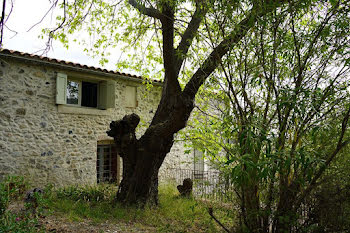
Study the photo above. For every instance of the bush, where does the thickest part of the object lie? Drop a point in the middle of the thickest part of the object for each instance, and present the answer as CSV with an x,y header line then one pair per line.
x,y
94,193
11,222
12,188
4,199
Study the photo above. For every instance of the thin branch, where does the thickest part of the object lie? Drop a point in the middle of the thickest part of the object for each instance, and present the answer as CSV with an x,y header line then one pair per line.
x,y
54,4
15,32
228,77
2,21
149,11
212,62
340,145
189,35
51,33
210,211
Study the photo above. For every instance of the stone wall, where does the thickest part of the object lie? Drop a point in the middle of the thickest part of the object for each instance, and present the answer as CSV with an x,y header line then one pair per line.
x,y
49,143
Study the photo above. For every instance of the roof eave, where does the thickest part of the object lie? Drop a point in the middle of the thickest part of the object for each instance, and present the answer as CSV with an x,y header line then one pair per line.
x,y
75,68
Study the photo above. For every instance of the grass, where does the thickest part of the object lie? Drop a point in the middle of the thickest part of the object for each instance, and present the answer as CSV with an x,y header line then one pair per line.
x,y
174,213
97,205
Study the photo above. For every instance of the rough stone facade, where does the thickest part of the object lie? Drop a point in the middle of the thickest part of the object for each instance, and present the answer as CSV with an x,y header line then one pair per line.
x,y
50,143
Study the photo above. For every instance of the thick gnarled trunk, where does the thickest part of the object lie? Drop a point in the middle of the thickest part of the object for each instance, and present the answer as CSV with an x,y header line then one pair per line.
x,y
143,157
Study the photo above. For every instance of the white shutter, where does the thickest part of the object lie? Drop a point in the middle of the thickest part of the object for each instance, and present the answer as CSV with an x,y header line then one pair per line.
x,y
102,95
61,88
130,97
110,101
106,96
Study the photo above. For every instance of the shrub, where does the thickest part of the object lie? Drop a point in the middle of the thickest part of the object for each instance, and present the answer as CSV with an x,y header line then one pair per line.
x,y
11,188
4,199
94,193
24,223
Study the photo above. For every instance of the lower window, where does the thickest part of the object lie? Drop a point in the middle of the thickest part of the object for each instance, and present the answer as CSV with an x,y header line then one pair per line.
x,y
107,164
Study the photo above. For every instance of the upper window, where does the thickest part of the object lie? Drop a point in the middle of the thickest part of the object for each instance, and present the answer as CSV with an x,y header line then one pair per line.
x,y
73,92
82,93
94,94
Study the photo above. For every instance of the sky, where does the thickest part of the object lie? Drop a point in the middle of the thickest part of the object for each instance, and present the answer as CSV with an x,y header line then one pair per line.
x,y
27,13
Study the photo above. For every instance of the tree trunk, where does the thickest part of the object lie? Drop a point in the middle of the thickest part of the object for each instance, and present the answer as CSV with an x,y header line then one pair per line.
x,y
251,210
285,216
143,157
140,175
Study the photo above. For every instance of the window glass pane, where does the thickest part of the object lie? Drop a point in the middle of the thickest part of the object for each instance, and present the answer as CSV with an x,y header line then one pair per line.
x,y
72,92
104,164
89,94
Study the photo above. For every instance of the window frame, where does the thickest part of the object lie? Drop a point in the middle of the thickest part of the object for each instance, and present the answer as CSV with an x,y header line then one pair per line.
x,y
80,83
80,92
106,91
114,163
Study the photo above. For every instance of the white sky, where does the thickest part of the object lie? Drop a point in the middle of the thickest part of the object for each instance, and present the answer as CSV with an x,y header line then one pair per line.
x,y
24,15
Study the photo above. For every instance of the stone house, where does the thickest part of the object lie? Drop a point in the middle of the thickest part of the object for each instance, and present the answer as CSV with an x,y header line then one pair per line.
x,y
54,116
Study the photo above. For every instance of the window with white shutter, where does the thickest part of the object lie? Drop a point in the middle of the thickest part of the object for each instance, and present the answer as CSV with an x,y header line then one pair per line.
x,y
85,93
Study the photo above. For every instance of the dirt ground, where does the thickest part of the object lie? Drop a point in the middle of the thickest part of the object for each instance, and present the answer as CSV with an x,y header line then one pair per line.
x,y
61,225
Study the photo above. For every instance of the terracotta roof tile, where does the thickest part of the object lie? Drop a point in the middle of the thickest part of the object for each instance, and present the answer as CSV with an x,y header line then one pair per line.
x,y
72,64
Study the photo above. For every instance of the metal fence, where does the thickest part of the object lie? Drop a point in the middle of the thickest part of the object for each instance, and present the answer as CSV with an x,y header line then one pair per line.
x,y
206,184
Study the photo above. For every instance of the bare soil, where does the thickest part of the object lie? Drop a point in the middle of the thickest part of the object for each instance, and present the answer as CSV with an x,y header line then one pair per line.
x,y
60,224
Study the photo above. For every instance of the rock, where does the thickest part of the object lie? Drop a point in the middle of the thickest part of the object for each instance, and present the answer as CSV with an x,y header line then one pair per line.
x,y
186,188
29,92
31,195
21,111
43,124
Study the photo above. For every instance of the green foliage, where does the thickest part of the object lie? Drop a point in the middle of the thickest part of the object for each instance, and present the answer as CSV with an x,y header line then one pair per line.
x,y
94,193
13,189
174,214
22,223
278,102
329,205
277,109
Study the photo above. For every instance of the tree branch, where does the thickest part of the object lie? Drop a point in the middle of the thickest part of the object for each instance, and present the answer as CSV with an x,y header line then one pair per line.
x,y
171,83
340,145
149,11
211,63
52,32
53,5
210,211
2,21
214,58
189,35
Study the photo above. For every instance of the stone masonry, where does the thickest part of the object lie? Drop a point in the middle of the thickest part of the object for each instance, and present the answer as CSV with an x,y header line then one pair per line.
x,y
50,143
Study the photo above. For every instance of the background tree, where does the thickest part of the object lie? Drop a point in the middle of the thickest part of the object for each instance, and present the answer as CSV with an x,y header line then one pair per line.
x,y
283,104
